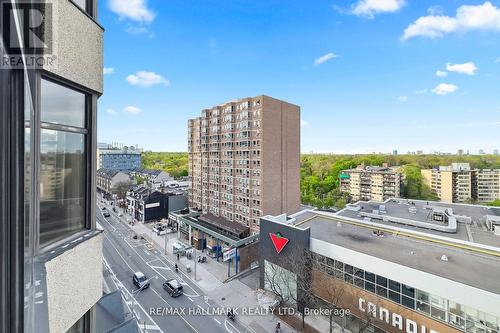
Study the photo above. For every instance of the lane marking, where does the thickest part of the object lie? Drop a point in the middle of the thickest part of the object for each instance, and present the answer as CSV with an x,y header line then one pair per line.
x,y
122,287
218,322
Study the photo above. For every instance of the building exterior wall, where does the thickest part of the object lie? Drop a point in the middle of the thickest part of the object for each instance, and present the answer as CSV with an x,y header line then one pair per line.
x,y
366,184
119,161
488,185
280,157
61,291
242,152
74,278
356,300
78,44
463,185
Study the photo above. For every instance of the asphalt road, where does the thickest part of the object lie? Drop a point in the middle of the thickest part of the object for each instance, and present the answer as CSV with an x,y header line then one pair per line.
x,y
155,310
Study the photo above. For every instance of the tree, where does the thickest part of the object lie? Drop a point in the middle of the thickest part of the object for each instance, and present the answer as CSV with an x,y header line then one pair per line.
x,y
290,281
121,189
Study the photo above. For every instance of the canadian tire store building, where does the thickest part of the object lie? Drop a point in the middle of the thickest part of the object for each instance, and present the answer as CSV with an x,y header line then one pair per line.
x,y
392,278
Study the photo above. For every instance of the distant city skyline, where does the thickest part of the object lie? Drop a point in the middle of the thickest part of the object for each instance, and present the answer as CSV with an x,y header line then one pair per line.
x,y
366,78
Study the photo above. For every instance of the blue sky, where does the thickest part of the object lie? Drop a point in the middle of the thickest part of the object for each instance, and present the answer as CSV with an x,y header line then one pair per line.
x,y
365,72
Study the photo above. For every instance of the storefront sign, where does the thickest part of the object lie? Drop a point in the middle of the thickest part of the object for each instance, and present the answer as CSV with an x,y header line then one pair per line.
x,y
151,205
279,241
394,319
229,254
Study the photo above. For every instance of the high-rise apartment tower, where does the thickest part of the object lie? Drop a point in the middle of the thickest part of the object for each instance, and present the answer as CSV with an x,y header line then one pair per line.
x,y
244,159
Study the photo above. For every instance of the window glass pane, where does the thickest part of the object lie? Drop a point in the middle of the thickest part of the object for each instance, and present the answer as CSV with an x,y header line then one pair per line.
x,y
422,296
395,297
369,277
359,282
62,185
348,278
408,291
359,273
437,313
381,291
348,269
61,105
381,281
339,265
396,286
370,286
423,307
408,302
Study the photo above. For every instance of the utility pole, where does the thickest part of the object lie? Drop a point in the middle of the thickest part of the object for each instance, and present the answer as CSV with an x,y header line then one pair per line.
x,y
165,237
194,259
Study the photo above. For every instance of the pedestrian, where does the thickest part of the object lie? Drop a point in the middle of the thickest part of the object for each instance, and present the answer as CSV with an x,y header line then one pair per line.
x,y
178,256
278,328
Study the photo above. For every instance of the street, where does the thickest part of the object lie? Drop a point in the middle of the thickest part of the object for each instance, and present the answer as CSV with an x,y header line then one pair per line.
x,y
153,307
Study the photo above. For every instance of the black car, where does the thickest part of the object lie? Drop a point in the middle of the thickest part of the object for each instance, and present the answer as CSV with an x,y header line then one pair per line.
x,y
103,208
140,280
106,214
173,287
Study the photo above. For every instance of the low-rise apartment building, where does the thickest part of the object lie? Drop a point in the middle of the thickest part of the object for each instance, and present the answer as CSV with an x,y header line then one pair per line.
x,y
154,178
371,182
488,185
111,182
459,183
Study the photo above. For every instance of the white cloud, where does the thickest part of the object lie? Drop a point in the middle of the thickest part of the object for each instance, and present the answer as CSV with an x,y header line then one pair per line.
x,y
325,58
136,30
369,8
108,70
468,68
421,92
497,60
146,79
444,88
480,17
111,112
435,10
441,73
132,109
135,10
303,123
403,98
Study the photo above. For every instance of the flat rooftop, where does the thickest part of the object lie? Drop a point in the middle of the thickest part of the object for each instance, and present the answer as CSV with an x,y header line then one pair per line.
x,y
353,232
474,231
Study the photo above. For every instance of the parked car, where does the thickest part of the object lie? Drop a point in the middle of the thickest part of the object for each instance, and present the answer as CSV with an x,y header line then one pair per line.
x,y
140,280
106,214
120,214
103,208
160,229
173,287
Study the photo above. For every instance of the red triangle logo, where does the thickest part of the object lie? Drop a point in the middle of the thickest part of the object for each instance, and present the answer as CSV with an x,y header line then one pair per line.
x,y
279,241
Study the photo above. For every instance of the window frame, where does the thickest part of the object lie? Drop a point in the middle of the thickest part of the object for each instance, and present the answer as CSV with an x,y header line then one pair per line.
x,y
89,131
